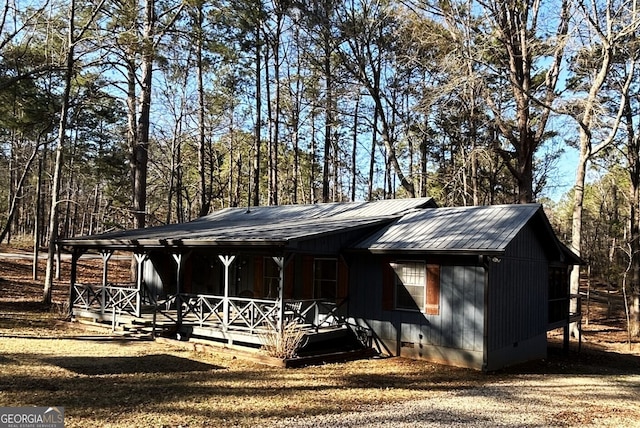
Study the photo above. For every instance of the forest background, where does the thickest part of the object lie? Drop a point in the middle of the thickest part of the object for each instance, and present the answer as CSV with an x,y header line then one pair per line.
x,y
117,114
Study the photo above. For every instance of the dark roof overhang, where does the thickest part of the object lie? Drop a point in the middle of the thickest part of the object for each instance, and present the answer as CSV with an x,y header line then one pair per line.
x,y
434,252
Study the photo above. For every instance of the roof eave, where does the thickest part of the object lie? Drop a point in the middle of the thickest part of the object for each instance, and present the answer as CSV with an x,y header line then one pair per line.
x,y
168,243
435,251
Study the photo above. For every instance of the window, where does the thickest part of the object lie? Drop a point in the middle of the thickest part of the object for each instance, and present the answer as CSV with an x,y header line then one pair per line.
x,y
271,278
325,279
410,282
415,286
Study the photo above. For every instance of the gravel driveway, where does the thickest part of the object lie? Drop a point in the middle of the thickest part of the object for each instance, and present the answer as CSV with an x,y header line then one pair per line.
x,y
528,401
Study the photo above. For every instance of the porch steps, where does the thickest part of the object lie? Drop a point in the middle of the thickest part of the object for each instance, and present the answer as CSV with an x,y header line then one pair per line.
x,y
330,340
127,327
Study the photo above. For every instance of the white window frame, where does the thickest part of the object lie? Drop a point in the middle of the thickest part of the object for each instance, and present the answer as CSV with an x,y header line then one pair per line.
x,y
419,275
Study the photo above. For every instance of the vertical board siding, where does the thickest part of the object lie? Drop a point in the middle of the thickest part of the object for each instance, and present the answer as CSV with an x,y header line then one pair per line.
x,y
457,305
459,325
473,323
518,293
444,324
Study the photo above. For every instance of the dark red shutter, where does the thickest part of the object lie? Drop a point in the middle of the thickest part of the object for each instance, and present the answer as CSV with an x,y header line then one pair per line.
x,y
343,281
307,277
288,280
258,277
388,285
433,290
187,275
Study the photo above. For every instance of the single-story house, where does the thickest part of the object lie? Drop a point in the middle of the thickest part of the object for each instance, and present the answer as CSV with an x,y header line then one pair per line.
x,y
469,286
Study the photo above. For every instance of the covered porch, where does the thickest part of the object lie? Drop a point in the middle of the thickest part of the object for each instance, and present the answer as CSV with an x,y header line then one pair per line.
x,y
179,308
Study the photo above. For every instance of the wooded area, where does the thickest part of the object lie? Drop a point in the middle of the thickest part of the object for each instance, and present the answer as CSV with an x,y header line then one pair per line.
x,y
119,114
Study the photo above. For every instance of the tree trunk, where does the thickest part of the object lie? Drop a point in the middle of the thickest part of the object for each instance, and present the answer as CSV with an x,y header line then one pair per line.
x,y
372,155
328,124
633,157
93,218
274,200
424,144
67,228
13,206
296,107
37,222
270,178
230,178
392,158
205,200
172,182
354,150
62,128
576,228
141,147
132,114
11,196
313,168
586,150
258,129
515,22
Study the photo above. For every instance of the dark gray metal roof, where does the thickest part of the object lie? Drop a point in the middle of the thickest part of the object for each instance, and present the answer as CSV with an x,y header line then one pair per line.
x,y
481,230
341,210
266,226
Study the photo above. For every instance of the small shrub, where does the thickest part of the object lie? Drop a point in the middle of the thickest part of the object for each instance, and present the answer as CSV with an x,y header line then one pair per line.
x,y
60,310
283,344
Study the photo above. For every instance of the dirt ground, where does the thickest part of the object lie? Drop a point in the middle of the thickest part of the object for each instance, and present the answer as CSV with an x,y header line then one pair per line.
x,y
106,380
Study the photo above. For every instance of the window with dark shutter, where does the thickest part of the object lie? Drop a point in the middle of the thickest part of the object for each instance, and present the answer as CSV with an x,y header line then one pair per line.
x,y
411,285
410,282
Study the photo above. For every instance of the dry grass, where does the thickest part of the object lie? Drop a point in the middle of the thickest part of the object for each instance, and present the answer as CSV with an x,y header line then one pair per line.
x,y
111,381
106,381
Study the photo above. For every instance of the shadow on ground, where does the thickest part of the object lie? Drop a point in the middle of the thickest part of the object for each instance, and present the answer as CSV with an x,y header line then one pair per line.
x,y
144,364
590,360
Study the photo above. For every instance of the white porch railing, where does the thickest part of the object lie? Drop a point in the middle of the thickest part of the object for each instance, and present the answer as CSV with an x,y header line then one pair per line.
x,y
204,310
123,298
244,314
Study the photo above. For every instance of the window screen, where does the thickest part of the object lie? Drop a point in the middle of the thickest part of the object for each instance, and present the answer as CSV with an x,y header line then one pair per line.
x,y
410,281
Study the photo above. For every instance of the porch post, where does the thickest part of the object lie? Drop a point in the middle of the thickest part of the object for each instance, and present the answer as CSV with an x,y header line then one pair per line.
x,y
140,258
178,258
280,262
75,256
226,261
58,261
106,255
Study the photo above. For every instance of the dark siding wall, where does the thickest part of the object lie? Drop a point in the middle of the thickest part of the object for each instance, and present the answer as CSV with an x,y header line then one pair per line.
x,y
458,328
517,293
461,322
